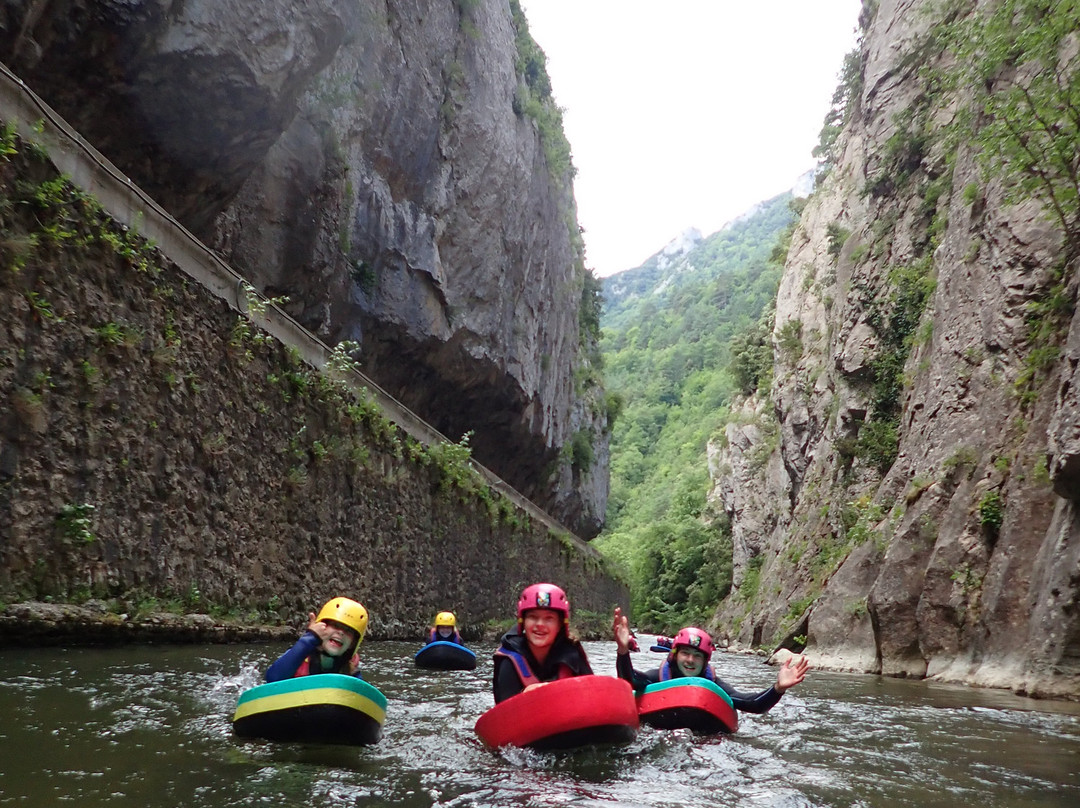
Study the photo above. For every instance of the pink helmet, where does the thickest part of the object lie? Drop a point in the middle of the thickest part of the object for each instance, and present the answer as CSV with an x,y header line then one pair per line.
x,y
543,596
694,638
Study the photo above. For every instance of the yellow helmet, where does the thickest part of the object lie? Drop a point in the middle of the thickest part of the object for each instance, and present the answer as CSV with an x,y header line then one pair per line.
x,y
347,612
445,619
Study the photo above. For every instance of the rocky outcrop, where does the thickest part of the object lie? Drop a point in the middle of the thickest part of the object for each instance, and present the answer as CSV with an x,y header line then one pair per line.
x,y
35,624
739,463
383,167
926,429
185,98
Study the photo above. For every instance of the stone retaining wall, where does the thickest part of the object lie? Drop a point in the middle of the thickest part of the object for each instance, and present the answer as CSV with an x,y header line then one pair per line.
x,y
156,444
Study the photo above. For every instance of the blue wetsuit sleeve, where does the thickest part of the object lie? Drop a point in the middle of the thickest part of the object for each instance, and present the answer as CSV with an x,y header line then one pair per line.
x,y
286,664
751,702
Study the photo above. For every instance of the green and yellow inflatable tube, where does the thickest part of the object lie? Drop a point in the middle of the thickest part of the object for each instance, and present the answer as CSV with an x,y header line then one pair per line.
x,y
324,708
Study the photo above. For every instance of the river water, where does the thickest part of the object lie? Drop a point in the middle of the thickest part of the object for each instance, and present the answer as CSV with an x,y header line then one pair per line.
x,y
149,726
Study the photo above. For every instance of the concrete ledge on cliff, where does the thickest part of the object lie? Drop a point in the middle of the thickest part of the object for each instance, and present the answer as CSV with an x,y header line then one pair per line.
x,y
37,624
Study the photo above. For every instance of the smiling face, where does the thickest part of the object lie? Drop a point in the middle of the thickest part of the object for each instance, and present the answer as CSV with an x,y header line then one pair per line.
x,y
338,639
689,661
541,627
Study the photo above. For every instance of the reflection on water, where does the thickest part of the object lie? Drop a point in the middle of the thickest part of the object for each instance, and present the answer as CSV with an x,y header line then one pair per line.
x,y
149,726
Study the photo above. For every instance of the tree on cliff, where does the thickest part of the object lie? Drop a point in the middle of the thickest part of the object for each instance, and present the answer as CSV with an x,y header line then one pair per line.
x,y
1021,59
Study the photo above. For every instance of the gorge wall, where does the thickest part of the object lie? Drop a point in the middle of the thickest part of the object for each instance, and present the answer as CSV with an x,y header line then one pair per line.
x,y
395,169
904,498
157,445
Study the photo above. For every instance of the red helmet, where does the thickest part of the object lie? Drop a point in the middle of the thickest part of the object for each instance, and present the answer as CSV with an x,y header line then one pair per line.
x,y
543,596
694,638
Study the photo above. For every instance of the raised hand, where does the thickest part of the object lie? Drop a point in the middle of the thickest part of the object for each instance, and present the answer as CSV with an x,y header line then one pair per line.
x,y
620,628
792,672
317,627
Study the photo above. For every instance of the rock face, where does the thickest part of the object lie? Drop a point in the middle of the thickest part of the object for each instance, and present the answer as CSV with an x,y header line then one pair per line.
x,y
739,464
375,164
947,548
185,98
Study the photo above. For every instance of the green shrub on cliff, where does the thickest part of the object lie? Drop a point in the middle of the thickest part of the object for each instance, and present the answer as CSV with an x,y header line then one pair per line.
x,y
75,523
991,511
534,99
1019,60
752,355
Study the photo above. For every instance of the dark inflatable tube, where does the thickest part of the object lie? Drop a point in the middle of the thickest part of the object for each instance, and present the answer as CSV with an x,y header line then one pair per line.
x,y
692,702
563,714
445,656
661,645
324,708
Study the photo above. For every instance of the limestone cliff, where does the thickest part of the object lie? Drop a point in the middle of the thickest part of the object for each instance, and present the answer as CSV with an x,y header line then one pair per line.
x,y
916,512
390,167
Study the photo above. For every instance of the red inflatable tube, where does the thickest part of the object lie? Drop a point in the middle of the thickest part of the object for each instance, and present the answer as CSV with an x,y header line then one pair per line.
x,y
693,703
563,714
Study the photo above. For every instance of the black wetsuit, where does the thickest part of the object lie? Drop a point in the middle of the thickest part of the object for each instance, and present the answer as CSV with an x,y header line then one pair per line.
x,y
564,651
747,702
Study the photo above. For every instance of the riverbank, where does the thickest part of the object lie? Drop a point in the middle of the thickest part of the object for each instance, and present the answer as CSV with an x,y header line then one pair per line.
x,y
96,622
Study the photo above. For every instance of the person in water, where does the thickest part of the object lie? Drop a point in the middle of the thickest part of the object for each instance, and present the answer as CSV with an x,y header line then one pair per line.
x,y
445,629
328,645
541,649
691,650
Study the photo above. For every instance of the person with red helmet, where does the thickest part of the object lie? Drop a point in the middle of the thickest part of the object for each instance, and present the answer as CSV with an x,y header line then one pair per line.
x,y
541,649
691,650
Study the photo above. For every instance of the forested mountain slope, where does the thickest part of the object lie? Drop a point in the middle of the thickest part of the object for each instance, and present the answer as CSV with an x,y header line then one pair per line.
x,y
689,263
668,331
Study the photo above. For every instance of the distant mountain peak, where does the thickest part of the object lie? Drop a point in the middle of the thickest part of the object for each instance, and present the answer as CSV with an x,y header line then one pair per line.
x,y
675,250
682,243
743,217
691,258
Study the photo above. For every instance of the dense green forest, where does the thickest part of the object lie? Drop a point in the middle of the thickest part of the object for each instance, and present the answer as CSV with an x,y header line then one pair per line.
x,y
681,336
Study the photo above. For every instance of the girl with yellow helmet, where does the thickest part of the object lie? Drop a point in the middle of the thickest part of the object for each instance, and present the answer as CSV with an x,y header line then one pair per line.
x,y
328,645
444,629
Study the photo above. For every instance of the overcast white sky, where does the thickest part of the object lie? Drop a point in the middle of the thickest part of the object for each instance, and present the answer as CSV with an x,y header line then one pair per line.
x,y
685,113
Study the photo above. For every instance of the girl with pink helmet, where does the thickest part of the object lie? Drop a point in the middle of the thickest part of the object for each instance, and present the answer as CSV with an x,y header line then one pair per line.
x,y
691,650
541,649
